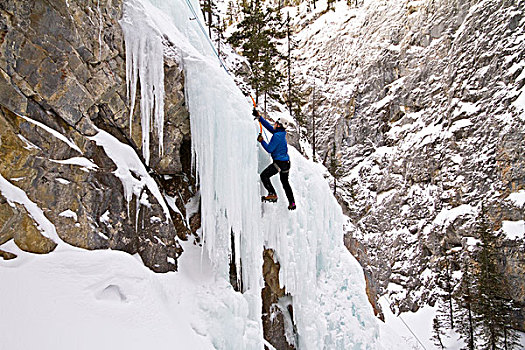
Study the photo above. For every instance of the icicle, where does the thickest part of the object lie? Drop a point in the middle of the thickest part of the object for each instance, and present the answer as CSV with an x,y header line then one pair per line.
x,y
144,63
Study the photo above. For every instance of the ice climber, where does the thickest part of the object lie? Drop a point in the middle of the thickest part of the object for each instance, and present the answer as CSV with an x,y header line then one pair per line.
x,y
278,149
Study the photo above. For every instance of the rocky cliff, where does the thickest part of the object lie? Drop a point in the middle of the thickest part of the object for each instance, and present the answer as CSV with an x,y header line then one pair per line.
x,y
424,102
68,141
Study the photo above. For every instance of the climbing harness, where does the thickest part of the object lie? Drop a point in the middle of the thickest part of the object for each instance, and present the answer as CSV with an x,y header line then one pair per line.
x,y
280,170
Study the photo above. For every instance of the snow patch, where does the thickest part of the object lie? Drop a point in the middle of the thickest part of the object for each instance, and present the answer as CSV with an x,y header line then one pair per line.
x,y
514,229
53,132
130,170
62,181
14,195
69,214
84,163
29,145
518,198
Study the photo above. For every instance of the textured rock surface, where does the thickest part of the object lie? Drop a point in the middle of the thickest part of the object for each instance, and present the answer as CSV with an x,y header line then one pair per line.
x,y
63,65
420,100
277,312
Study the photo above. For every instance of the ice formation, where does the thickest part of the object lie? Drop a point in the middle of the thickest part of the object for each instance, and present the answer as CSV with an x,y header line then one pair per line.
x,y
325,282
143,49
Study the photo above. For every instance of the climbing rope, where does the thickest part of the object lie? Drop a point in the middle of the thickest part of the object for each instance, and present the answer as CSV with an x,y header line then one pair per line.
x,y
190,6
406,325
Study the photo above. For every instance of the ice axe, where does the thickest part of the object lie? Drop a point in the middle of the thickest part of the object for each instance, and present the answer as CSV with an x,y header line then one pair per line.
x,y
254,107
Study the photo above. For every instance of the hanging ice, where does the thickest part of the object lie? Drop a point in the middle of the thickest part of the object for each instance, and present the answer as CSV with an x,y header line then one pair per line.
x,y
144,64
326,284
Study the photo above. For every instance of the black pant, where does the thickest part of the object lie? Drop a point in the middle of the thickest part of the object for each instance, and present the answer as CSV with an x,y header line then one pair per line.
x,y
282,167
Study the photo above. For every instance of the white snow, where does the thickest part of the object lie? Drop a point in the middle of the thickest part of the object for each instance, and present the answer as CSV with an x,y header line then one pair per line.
x,y
130,170
29,145
63,295
519,103
415,328
62,181
69,214
449,215
518,198
16,179
105,218
514,229
460,124
53,132
15,195
83,162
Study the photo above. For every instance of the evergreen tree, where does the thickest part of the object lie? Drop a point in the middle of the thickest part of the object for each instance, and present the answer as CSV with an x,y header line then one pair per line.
x,y
230,13
256,35
466,321
335,167
445,316
437,333
294,98
208,8
492,304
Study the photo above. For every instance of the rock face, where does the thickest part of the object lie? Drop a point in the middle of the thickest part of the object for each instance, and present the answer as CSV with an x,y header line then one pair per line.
x,y
422,100
62,86
277,313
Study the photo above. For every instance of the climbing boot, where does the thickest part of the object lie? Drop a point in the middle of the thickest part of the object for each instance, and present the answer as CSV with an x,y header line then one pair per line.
x,y
292,206
271,197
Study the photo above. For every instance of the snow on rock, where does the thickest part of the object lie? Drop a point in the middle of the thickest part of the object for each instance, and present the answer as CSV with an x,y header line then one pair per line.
x,y
14,195
130,170
52,132
84,163
69,214
514,229
518,198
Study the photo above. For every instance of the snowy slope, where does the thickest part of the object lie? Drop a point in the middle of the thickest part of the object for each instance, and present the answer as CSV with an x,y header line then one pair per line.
x,y
79,299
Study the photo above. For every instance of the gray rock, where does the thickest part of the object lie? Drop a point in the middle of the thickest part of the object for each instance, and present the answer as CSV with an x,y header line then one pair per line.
x,y
63,65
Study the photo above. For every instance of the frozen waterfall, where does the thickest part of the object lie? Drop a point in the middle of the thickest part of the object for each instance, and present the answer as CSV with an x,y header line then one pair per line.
x,y
331,310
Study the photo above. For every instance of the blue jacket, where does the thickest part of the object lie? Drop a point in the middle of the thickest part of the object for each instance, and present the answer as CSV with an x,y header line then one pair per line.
x,y
278,147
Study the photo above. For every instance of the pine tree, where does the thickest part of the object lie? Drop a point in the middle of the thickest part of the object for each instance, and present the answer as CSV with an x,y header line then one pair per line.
x,y
230,13
256,35
466,321
294,98
445,316
492,304
437,333
335,167
208,7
